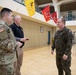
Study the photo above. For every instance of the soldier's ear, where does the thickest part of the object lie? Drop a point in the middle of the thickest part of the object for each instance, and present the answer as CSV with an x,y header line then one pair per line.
x,y
5,15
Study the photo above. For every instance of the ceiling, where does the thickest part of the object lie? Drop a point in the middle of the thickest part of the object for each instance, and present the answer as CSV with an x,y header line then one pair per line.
x,y
44,1
66,5
39,2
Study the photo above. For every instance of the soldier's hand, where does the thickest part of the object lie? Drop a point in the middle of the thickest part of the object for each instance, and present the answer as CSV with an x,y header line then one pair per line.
x,y
65,57
52,52
19,44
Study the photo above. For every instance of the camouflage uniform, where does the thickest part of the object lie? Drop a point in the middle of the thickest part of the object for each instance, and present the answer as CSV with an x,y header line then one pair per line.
x,y
7,50
63,44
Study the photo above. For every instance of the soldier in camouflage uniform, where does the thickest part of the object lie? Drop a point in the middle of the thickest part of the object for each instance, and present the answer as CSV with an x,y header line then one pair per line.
x,y
63,44
7,44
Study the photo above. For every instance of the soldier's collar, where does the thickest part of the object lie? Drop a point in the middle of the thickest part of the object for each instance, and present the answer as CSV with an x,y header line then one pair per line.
x,y
62,29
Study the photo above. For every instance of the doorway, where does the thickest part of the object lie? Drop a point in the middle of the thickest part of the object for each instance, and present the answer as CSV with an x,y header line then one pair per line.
x,y
48,37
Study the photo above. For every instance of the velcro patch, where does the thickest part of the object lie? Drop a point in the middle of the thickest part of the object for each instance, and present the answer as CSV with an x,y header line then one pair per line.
x,y
1,29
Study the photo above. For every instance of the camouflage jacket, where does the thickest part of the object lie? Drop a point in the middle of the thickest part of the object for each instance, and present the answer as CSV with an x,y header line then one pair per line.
x,y
63,41
7,44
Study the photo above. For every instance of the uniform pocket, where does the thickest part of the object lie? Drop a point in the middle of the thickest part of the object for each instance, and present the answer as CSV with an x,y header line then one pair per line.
x,y
7,45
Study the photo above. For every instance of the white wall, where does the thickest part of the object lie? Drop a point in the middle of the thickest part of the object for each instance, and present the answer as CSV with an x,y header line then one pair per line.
x,y
22,10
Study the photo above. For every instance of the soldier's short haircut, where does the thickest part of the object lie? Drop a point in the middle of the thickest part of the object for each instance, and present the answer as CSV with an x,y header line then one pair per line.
x,y
63,20
4,11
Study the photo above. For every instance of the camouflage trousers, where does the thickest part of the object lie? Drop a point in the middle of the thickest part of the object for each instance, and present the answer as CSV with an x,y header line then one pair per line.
x,y
7,69
63,65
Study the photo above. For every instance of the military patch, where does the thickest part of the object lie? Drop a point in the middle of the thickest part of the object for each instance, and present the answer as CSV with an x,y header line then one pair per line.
x,y
3,32
1,29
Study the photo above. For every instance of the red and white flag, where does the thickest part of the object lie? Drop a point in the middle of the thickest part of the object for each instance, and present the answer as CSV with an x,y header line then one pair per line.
x,y
46,13
54,17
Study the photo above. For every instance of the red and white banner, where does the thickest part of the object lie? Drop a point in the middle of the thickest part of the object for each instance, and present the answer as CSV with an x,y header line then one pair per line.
x,y
46,13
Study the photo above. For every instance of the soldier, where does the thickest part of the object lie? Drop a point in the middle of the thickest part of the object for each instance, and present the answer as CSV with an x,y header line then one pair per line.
x,y
63,44
7,43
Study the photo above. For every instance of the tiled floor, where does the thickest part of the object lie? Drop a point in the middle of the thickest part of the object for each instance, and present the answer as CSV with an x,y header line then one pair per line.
x,y
39,61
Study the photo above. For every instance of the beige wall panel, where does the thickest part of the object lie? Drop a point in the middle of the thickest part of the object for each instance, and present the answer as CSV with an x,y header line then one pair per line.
x,y
32,31
73,28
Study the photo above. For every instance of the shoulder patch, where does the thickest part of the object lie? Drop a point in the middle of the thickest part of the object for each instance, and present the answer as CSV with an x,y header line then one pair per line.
x,y
2,28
